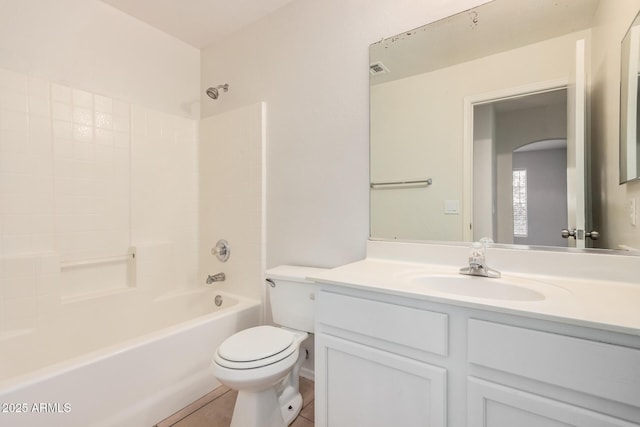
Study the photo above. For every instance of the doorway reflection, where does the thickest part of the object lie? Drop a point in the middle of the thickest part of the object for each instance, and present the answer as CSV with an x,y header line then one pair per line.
x,y
520,169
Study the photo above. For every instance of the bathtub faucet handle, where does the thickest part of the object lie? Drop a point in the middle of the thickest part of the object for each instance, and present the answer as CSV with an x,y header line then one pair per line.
x,y
221,250
215,278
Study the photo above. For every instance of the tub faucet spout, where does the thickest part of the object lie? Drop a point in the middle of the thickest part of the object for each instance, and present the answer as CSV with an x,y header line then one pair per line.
x,y
215,278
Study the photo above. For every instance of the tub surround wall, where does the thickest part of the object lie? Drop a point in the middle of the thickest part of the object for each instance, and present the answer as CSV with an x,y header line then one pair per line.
x,y
164,195
97,155
85,176
232,181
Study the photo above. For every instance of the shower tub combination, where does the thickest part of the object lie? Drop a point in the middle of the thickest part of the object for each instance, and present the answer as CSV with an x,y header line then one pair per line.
x,y
115,362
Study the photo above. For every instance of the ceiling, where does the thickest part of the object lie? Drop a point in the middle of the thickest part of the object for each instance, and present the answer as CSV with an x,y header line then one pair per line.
x,y
199,23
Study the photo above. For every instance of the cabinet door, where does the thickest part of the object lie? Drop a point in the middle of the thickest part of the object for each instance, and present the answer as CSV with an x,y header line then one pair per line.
x,y
493,405
361,386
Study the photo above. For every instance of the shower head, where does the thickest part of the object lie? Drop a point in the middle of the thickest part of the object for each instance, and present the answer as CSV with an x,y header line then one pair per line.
x,y
213,93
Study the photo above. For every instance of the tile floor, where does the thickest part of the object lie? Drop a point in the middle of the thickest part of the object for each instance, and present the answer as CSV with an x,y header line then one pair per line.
x,y
215,409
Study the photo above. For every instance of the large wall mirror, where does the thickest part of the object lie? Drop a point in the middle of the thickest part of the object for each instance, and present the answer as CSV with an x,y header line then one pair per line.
x,y
479,126
629,111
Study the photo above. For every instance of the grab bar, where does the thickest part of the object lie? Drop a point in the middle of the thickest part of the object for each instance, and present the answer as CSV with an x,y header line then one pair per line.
x,y
427,182
95,261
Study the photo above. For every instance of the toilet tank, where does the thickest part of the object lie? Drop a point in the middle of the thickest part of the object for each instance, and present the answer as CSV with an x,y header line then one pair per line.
x,y
292,296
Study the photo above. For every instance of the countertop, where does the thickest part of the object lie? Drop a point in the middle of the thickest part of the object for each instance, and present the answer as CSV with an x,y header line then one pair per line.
x,y
608,305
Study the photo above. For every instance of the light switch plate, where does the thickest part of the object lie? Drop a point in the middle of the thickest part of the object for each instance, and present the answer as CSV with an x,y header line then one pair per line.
x,y
452,207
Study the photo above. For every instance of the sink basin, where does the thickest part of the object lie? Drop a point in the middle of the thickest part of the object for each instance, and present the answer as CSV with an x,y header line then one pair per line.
x,y
479,287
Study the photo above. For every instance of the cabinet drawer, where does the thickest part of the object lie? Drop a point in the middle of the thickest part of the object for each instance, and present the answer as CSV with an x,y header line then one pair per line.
x,y
411,327
493,405
603,370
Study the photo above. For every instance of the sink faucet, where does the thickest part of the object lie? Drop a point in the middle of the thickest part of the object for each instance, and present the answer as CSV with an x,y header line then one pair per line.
x,y
477,261
215,278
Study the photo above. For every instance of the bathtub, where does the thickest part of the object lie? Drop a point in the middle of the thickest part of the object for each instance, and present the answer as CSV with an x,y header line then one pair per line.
x,y
91,366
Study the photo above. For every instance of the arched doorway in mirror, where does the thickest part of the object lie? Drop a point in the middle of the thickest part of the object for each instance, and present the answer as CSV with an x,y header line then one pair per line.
x,y
520,169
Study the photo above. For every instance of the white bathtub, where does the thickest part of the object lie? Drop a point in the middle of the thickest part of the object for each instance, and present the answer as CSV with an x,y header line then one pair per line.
x,y
128,367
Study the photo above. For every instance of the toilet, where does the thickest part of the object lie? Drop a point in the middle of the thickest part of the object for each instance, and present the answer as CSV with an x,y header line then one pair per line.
x,y
263,363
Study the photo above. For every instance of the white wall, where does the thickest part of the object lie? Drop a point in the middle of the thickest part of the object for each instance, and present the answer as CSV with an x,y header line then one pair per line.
x,y
90,45
610,200
309,62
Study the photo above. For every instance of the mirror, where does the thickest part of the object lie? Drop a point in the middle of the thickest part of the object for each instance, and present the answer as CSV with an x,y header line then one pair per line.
x,y
629,75
462,106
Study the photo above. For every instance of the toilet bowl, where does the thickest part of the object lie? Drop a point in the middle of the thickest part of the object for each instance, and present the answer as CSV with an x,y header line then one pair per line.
x,y
263,363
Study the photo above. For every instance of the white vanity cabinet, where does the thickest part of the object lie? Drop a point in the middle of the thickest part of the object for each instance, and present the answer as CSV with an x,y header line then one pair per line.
x,y
384,360
368,387
369,370
494,405
586,372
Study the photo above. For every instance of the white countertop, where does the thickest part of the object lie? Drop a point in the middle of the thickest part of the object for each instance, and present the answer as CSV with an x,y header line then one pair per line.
x,y
595,303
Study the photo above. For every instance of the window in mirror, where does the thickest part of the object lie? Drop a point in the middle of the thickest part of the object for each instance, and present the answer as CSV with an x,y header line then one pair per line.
x,y
544,192
520,223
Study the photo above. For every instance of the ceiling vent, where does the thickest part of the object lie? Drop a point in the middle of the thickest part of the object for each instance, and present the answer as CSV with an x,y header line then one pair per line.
x,y
378,68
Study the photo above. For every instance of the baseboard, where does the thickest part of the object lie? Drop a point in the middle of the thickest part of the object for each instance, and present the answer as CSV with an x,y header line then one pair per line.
x,y
307,373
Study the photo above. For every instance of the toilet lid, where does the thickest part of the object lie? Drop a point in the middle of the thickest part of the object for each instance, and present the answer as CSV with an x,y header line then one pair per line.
x,y
255,344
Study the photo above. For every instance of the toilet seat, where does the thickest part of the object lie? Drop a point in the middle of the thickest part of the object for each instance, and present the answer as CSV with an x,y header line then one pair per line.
x,y
256,347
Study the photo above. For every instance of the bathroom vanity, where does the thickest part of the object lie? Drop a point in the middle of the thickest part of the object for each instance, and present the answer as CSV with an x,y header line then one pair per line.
x,y
402,339
407,343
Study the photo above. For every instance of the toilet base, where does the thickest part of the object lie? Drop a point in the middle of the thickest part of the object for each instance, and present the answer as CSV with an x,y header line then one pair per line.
x,y
290,407
257,409
289,391
276,406
263,409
